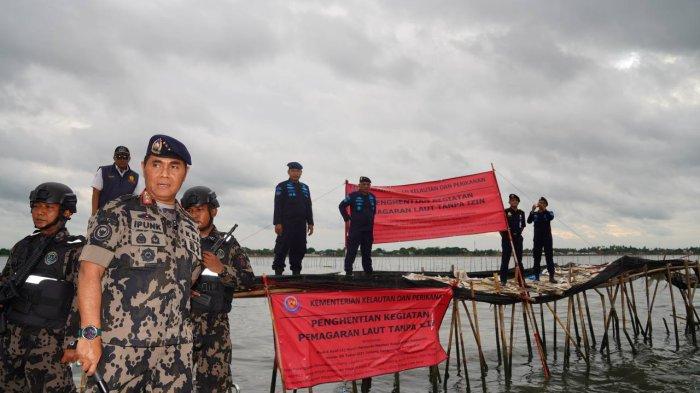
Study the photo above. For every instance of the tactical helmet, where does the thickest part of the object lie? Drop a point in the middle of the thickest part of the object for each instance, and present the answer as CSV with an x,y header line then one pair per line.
x,y
199,195
54,193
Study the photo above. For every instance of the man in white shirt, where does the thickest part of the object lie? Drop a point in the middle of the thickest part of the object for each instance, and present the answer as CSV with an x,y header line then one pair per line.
x,y
112,181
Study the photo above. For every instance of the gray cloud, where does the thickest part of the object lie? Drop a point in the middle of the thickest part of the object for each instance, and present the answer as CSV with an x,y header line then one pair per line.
x,y
593,104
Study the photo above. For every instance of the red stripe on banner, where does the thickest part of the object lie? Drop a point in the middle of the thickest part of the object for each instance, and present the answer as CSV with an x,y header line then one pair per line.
x,y
343,336
463,205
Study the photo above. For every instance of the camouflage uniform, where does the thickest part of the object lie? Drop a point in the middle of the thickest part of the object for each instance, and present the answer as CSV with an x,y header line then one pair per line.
x,y
212,334
151,257
32,346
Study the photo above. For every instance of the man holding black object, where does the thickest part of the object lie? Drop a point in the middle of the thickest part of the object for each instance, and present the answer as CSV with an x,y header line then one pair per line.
x,y
227,268
541,217
38,313
516,223
363,207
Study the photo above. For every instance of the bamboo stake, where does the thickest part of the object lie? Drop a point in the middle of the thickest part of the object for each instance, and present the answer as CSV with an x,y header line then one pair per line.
x,y
608,317
464,349
673,305
622,307
637,325
691,309
583,325
482,359
554,328
544,334
397,384
567,333
590,322
474,324
459,361
498,339
527,334
567,348
510,341
651,307
449,344
504,343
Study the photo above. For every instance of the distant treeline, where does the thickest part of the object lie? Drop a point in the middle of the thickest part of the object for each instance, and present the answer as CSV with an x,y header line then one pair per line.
x,y
458,251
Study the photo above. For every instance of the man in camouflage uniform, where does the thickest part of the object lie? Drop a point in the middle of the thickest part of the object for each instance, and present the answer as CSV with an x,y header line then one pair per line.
x,y
141,258
37,290
227,268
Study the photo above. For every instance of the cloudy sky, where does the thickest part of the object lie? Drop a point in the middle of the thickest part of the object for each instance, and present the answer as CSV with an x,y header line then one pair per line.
x,y
595,104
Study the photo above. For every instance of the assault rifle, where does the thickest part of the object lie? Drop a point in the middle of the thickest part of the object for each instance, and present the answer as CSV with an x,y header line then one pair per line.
x,y
203,299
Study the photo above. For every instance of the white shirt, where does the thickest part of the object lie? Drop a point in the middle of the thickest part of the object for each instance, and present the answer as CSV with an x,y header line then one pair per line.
x,y
97,181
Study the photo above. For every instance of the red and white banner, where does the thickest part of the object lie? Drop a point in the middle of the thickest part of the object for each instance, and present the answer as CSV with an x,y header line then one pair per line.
x,y
344,336
459,206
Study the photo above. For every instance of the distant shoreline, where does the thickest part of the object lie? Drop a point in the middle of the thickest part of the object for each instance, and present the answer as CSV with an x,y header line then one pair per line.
x,y
463,252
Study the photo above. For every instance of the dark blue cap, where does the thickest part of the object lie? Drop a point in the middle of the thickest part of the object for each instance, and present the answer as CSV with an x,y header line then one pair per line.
x,y
167,146
365,179
294,165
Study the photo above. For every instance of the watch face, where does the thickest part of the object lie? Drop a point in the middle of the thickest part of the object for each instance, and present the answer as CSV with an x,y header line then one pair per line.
x,y
90,332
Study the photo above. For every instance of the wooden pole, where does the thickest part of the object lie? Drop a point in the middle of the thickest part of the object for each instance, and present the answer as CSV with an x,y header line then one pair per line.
x,y
504,343
474,324
510,341
583,325
544,333
449,344
527,334
554,329
673,305
498,338
567,333
464,349
590,322
689,305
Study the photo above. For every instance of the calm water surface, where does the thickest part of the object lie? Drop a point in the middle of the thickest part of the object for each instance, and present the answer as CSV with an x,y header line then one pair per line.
x,y
656,368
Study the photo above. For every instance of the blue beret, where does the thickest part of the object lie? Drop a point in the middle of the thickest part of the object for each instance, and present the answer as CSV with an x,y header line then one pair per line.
x,y
167,146
295,165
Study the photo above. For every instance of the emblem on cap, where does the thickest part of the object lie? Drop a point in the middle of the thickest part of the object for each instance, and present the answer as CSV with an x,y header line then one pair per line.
x,y
51,258
157,146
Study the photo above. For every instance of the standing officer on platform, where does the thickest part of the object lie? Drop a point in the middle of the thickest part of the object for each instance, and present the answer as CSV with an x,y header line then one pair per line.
x,y
363,207
37,290
113,180
543,238
226,270
142,256
293,219
516,223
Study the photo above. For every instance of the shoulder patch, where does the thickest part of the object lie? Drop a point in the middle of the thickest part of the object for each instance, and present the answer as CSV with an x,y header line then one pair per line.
x,y
102,232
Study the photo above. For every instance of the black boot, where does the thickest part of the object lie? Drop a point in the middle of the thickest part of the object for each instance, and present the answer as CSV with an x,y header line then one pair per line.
x,y
296,272
279,271
552,279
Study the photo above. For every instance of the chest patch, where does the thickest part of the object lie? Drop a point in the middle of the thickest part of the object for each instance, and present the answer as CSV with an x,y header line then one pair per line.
x,y
51,258
220,254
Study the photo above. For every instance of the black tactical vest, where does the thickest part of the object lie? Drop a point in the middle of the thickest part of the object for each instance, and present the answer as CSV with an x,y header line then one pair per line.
x,y
46,303
221,295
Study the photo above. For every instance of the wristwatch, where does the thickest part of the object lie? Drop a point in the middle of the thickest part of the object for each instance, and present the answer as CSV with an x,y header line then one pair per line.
x,y
89,332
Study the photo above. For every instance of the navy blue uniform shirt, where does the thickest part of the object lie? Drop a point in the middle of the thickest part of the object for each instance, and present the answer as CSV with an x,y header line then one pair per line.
x,y
516,222
363,207
292,203
543,228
